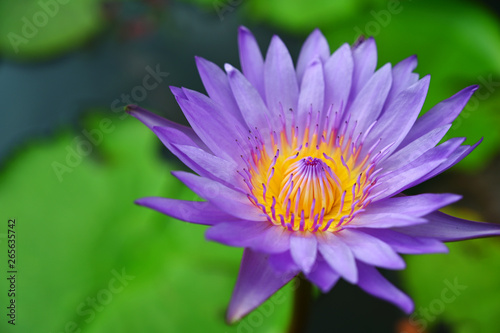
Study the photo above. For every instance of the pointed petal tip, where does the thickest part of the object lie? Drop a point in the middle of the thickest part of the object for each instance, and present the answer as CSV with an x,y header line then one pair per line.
x,y
140,201
134,110
200,61
230,70
244,30
233,316
473,88
316,33
130,108
408,307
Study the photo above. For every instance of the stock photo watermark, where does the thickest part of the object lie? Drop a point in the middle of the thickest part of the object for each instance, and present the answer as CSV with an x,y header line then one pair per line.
x,y
32,24
94,304
223,7
423,316
487,87
83,145
381,19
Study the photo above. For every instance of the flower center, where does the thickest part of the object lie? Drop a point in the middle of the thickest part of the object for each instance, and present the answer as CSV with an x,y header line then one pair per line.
x,y
310,181
310,184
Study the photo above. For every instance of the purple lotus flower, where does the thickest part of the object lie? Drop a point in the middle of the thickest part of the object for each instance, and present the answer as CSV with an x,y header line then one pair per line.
x,y
304,166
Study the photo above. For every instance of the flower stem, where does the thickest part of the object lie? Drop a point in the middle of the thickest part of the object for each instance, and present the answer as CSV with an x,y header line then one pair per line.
x,y
301,305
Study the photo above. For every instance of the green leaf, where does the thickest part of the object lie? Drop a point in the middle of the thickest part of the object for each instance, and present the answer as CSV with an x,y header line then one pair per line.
x,y
43,28
460,288
78,230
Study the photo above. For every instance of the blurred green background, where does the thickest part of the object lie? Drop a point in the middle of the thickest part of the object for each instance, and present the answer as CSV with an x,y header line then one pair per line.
x,y
71,163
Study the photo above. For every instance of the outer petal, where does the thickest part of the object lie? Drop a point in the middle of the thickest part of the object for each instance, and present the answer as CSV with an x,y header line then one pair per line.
x,y
178,133
383,220
339,256
371,250
280,79
253,109
314,47
199,212
206,121
405,178
393,125
414,149
283,263
367,105
452,159
442,114
416,205
323,276
312,93
417,171
259,236
226,199
449,228
365,62
257,281
371,281
402,77
217,86
403,243
252,63
304,248
213,167
338,71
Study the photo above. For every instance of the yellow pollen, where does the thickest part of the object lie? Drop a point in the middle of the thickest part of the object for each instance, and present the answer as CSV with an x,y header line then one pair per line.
x,y
315,185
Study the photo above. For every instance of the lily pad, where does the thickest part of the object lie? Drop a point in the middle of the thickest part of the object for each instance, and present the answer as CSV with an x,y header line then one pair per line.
x,y
89,260
42,28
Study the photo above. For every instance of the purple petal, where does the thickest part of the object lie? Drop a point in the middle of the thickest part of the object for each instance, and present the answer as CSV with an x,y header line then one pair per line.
x,y
365,62
370,249
256,283
206,121
371,281
416,205
442,114
417,171
283,263
383,220
259,236
393,125
280,79
323,276
252,63
312,93
228,200
414,150
315,47
178,133
402,77
199,212
405,178
368,104
407,244
304,248
213,167
448,228
217,86
339,256
338,77
252,107
452,159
